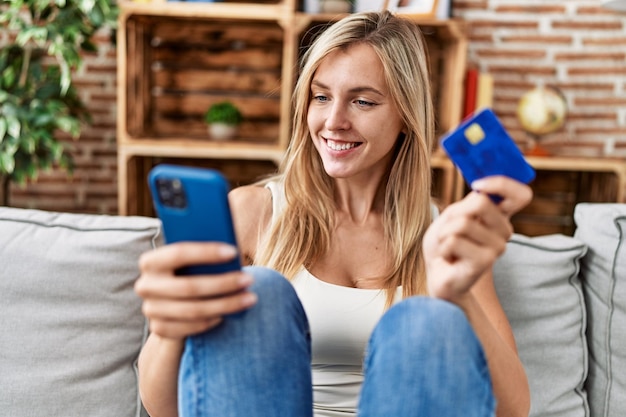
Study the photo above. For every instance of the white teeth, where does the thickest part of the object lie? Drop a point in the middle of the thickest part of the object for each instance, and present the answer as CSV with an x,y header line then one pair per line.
x,y
340,146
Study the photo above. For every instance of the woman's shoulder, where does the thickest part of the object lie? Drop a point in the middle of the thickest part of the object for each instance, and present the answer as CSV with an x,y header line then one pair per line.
x,y
251,208
247,195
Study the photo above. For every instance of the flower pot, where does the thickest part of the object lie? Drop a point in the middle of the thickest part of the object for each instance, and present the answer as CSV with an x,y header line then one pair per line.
x,y
222,131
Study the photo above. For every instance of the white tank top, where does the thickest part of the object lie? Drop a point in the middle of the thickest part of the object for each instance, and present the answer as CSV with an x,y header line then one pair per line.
x,y
341,320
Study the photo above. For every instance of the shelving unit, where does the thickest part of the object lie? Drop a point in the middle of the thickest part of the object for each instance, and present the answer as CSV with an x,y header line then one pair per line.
x,y
176,59
560,184
563,182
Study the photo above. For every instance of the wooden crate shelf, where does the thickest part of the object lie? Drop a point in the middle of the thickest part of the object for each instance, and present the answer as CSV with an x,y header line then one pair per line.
x,y
563,182
182,66
560,184
176,59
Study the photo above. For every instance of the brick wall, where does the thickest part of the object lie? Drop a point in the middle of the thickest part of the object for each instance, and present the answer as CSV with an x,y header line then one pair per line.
x,y
93,186
575,45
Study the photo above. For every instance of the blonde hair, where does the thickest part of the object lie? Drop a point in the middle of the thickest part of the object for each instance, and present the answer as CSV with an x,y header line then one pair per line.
x,y
303,231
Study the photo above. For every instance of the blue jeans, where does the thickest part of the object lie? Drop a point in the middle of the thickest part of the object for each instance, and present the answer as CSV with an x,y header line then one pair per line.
x,y
423,359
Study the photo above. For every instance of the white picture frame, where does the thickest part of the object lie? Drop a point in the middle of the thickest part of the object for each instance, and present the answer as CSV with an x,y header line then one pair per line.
x,y
425,8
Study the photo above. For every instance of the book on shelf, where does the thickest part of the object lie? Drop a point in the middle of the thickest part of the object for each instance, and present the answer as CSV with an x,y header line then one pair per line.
x,y
478,91
471,83
484,91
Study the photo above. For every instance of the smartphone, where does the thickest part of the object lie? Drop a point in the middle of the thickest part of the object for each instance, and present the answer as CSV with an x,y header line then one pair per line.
x,y
192,204
481,146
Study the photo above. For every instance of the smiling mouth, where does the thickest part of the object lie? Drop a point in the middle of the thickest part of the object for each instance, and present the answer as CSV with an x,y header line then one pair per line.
x,y
341,146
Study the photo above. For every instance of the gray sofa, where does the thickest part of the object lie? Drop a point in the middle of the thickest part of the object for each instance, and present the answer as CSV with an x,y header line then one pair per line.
x,y
71,326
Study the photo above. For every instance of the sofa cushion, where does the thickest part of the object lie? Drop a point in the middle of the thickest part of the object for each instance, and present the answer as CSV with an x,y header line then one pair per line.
x,y
603,228
71,326
537,282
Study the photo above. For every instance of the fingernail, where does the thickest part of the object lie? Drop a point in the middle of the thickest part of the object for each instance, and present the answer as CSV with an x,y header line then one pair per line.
x,y
249,299
227,251
245,280
476,184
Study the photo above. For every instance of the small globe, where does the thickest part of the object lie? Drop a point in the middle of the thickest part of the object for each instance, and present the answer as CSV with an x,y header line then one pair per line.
x,y
542,110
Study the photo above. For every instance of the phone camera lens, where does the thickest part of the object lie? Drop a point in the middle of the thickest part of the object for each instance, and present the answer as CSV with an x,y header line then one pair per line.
x,y
171,192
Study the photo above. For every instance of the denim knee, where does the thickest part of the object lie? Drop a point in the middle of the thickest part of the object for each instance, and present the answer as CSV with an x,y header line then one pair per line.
x,y
271,285
428,347
426,327
253,362
278,307
438,320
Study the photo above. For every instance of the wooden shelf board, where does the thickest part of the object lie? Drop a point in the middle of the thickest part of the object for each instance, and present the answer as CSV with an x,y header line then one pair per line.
x,y
561,163
204,10
202,149
579,164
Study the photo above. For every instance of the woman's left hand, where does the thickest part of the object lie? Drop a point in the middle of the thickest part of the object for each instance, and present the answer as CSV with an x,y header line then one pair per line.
x,y
464,242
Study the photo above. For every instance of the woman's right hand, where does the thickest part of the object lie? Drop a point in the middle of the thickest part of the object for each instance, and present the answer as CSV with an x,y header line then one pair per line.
x,y
179,306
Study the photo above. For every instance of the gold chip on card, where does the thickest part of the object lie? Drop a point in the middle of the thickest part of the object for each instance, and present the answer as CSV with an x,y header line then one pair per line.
x,y
474,133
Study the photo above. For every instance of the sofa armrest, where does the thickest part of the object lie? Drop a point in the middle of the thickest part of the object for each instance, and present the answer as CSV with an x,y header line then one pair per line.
x,y
71,326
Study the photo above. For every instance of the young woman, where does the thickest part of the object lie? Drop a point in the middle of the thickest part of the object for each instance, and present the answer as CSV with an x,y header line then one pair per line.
x,y
387,309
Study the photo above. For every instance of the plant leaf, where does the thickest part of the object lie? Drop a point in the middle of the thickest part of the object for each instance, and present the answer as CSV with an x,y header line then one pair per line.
x,y
68,124
37,34
8,77
14,127
7,163
3,128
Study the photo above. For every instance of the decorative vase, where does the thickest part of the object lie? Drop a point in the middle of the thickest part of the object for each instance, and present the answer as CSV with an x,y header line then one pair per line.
x,y
222,131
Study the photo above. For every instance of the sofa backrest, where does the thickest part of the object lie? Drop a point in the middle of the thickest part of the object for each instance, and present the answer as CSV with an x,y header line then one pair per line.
x,y
537,281
71,326
566,300
603,270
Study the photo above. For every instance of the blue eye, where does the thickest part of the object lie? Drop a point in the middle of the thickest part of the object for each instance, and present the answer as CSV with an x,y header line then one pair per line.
x,y
364,103
320,98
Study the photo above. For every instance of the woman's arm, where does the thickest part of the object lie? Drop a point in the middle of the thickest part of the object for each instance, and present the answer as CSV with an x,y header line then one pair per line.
x,y
460,248
158,384
494,331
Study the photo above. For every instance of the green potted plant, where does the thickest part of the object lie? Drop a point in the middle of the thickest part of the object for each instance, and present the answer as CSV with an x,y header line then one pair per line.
x,y
38,103
223,119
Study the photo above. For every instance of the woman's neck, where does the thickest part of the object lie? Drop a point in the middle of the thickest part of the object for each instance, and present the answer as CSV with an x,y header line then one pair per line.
x,y
358,199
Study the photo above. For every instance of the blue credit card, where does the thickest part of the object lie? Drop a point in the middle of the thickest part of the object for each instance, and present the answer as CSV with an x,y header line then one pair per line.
x,y
481,147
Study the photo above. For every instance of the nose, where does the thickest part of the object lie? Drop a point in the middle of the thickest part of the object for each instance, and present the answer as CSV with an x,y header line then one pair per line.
x,y
337,117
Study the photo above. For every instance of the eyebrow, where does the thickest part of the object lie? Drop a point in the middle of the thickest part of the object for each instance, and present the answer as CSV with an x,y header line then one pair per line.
x,y
352,90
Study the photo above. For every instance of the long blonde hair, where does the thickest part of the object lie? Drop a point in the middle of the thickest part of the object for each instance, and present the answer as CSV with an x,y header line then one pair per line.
x,y
303,231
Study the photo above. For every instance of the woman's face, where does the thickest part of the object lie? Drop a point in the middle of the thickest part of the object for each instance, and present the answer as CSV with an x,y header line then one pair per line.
x,y
352,119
